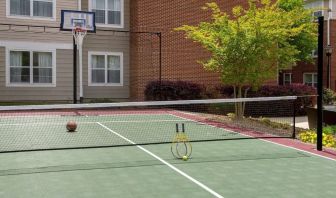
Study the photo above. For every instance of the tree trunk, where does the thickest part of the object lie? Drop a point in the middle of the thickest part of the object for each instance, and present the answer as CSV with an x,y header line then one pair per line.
x,y
239,112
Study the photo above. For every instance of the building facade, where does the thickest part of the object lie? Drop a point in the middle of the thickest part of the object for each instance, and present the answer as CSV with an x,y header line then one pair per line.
x,y
306,73
36,58
135,43
164,17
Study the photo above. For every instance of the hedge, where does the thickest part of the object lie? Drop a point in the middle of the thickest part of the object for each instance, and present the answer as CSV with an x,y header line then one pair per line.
x,y
173,90
184,90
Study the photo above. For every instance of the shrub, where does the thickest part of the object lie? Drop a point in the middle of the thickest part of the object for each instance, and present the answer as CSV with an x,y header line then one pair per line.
x,y
211,93
329,96
278,90
311,137
173,90
272,90
287,90
225,91
330,130
270,123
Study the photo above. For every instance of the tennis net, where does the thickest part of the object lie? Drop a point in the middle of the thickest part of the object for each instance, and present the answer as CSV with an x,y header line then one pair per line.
x,y
43,127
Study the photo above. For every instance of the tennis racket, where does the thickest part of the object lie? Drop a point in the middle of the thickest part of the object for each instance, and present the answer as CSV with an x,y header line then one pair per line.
x,y
181,145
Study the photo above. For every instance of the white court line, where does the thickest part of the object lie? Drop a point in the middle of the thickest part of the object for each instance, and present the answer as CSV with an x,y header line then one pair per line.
x,y
62,123
215,194
315,154
73,115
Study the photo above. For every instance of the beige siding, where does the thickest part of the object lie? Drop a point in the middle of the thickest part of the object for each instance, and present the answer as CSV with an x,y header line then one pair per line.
x,y
63,90
102,42
85,5
36,35
60,5
107,42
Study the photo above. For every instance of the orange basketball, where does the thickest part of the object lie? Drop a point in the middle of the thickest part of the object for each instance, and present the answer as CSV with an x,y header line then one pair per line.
x,y
71,126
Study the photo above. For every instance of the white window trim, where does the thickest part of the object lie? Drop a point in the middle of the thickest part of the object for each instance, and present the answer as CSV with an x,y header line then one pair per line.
x,y
314,54
31,84
120,54
31,17
122,13
304,77
290,80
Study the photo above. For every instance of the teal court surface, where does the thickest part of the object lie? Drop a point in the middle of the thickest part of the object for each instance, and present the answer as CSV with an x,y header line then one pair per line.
x,y
40,159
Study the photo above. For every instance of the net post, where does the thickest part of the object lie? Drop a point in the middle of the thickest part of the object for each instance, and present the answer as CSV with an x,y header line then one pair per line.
x,y
74,71
177,128
160,63
294,119
319,144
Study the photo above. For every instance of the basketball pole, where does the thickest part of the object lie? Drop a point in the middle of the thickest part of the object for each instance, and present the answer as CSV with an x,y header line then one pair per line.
x,y
74,71
80,45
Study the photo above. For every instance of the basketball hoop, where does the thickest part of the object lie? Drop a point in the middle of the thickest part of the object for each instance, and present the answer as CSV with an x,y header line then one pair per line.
x,y
79,23
79,34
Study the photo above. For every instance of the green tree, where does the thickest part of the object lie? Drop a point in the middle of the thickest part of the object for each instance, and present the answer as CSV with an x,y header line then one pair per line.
x,y
249,47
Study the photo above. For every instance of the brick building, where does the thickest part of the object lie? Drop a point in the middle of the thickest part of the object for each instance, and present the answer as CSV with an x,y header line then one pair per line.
x,y
306,73
180,55
123,55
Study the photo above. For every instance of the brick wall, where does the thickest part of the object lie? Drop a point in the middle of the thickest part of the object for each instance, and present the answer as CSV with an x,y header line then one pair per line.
x,y
179,55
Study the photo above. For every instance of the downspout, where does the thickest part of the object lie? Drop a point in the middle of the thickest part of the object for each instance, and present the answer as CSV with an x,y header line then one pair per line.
x,y
329,17
328,41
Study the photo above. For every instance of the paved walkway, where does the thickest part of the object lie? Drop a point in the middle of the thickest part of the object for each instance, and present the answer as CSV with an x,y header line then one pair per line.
x,y
301,122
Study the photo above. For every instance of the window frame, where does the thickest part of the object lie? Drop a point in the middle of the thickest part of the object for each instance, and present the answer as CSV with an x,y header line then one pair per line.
x,y
122,13
313,78
31,16
105,54
290,78
31,68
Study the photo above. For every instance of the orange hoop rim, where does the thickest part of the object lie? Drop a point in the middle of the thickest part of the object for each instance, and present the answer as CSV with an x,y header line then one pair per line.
x,y
79,29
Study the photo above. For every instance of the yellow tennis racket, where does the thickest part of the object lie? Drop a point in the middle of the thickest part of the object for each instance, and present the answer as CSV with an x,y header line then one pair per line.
x,y
181,146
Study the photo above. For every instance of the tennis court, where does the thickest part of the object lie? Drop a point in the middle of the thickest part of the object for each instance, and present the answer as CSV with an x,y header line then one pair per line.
x,y
127,153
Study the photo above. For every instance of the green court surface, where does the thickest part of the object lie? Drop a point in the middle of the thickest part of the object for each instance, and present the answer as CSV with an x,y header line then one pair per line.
x,y
230,169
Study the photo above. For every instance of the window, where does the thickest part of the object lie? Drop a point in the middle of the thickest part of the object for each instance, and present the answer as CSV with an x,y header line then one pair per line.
x,y
310,79
108,12
42,67
105,69
287,78
32,68
32,8
315,53
318,13
20,7
19,67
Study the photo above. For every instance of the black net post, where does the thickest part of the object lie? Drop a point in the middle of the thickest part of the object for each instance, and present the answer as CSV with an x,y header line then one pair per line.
x,y
160,63
320,84
294,119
